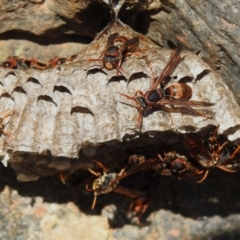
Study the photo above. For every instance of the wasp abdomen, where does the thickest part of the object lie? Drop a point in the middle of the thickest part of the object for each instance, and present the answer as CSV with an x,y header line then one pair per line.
x,y
178,91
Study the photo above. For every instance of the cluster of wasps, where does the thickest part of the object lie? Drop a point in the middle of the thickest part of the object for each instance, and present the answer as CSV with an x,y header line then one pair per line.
x,y
157,96
204,154
20,63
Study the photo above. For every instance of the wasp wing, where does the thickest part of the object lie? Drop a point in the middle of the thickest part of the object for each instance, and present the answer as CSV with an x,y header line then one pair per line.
x,y
197,147
111,39
129,192
133,41
4,114
186,103
173,62
132,170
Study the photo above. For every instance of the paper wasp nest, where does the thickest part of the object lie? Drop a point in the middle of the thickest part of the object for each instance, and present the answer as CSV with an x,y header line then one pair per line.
x,y
65,112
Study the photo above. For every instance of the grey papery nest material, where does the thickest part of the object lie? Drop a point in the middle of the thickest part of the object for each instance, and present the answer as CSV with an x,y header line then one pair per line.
x,y
63,113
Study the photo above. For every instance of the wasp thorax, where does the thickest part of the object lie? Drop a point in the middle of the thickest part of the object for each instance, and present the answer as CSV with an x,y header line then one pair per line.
x,y
212,146
171,156
153,96
136,159
179,165
103,184
112,49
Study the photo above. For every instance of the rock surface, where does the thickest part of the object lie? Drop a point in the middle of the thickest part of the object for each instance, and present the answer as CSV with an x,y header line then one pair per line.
x,y
46,209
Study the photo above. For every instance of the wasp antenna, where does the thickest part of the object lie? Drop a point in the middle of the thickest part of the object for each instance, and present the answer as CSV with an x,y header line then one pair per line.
x,y
223,145
94,201
89,189
93,60
204,177
101,165
160,157
227,170
94,173
214,133
62,178
235,152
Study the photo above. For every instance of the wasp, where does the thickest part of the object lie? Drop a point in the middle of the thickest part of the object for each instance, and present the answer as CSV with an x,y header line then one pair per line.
x,y
3,116
14,63
172,164
210,153
118,48
109,182
56,61
23,63
158,96
138,207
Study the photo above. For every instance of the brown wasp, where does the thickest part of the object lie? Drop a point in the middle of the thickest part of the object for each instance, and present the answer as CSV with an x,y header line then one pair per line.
x,y
172,164
23,63
108,182
14,63
33,63
138,207
118,47
3,116
56,61
211,153
158,96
